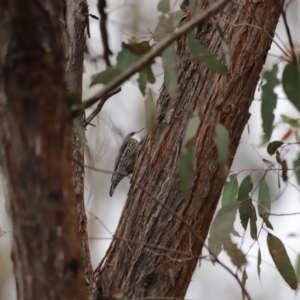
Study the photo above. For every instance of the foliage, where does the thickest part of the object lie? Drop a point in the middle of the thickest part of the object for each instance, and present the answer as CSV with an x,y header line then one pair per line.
x,y
242,197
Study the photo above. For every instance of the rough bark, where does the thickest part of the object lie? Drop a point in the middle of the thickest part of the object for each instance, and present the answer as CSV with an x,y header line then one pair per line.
x,y
75,18
136,269
36,151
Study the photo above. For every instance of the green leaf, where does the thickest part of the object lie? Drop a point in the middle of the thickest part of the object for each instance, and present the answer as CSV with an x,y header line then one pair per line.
x,y
221,227
237,257
145,75
230,190
244,279
296,164
220,231
215,246
150,114
73,100
191,129
297,137
138,49
281,260
106,76
293,122
268,163
268,224
202,55
222,144
163,6
278,158
253,219
258,262
245,188
185,169
131,53
245,212
126,59
243,196
269,100
235,233
170,67
142,83
264,199
176,17
297,268
222,224
291,83
164,27
273,146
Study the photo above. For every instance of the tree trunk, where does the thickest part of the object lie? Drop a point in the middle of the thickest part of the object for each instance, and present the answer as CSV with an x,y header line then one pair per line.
x,y
36,151
75,18
134,267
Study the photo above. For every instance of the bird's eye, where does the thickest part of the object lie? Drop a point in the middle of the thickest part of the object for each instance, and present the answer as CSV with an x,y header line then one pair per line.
x,y
132,133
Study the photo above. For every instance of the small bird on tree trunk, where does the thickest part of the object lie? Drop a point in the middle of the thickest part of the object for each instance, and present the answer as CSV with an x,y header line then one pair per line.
x,y
125,160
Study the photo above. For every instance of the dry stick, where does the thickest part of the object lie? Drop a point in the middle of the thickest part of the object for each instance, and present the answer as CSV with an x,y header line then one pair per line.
x,y
179,217
155,52
88,120
106,50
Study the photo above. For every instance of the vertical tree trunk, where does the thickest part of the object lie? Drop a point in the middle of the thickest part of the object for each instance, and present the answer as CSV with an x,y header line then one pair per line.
x,y
36,151
136,268
75,18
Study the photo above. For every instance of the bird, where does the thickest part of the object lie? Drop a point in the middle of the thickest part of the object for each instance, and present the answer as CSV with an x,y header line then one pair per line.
x,y
125,160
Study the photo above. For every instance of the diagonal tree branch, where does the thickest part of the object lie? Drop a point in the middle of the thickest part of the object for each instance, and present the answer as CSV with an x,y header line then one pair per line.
x,y
103,100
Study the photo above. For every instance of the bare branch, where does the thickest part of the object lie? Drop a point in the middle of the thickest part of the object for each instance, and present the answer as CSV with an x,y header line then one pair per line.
x,y
106,50
99,107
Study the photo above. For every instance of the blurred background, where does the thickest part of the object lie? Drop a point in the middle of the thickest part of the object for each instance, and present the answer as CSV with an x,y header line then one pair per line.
x,y
125,112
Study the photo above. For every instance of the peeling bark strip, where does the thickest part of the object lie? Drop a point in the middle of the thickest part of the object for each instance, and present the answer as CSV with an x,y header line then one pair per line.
x,y
133,267
36,151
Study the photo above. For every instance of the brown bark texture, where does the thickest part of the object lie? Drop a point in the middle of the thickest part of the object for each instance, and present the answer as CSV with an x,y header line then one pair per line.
x,y
36,151
75,18
136,268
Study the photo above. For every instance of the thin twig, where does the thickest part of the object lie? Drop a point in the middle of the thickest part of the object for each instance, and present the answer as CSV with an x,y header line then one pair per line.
x,y
106,50
287,28
88,120
155,52
189,255
282,215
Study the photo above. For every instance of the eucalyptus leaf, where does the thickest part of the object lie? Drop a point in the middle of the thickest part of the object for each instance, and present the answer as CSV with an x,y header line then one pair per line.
x,y
282,260
269,100
202,55
291,83
273,146
230,190
222,144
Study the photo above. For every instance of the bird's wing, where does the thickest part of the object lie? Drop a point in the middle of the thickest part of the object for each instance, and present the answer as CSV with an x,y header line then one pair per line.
x,y
121,151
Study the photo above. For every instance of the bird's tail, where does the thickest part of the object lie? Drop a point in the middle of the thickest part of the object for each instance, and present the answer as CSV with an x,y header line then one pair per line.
x,y
116,178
